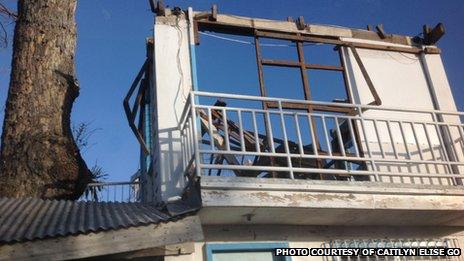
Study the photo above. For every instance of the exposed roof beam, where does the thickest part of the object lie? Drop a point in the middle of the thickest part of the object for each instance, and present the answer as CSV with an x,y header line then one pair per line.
x,y
238,25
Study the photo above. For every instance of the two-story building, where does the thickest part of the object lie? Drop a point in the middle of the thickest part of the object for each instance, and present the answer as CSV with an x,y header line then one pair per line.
x,y
376,164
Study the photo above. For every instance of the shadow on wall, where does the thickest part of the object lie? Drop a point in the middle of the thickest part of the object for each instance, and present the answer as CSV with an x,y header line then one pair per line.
x,y
172,181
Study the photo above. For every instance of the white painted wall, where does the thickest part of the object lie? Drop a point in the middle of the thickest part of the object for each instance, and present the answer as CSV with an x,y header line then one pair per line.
x,y
444,99
172,85
312,236
402,81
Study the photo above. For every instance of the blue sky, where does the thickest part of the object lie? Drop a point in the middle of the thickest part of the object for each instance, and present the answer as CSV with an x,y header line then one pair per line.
x,y
111,49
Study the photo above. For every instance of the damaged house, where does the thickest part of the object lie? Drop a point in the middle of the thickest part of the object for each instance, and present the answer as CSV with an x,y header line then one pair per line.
x,y
369,157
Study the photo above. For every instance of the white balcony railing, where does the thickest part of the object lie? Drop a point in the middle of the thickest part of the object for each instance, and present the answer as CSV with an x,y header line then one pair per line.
x,y
112,192
237,137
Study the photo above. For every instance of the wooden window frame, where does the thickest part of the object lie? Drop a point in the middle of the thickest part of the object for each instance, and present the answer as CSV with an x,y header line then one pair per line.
x,y
304,67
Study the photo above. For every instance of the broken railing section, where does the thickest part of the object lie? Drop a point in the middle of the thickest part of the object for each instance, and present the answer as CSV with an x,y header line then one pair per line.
x,y
245,140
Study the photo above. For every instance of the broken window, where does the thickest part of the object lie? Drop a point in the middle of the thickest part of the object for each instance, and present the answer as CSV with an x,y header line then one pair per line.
x,y
288,67
236,74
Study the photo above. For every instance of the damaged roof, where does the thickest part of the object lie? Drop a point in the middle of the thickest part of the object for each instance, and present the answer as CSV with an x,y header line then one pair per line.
x,y
25,219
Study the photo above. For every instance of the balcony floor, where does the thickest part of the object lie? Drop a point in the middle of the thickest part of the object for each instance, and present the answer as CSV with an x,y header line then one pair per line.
x,y
236,200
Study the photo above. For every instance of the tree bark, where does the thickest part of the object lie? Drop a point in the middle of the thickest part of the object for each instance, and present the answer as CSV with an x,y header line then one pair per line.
x,y
39,157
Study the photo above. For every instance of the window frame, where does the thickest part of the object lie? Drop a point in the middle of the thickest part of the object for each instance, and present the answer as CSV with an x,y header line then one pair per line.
x,y
304,68
211,248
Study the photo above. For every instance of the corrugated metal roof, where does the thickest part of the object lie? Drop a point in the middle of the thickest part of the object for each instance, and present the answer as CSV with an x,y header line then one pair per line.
x,y
31,218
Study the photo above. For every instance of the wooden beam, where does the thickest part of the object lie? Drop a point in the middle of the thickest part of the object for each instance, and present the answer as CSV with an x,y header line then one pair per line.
x,y
259,64
152,6
293,64
304,75
246,26
324,67
281,63
263,91
433,35
338,42
377,100
300,23
160,8
214,13
413,50
381,31
106,242
264,24
302,37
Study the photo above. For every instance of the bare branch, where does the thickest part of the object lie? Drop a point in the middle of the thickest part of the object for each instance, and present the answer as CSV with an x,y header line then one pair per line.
x,y
5,11
82,134
3,36
6,16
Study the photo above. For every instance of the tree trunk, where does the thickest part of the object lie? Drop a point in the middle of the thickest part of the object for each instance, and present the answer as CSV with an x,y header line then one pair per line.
x,y
39,157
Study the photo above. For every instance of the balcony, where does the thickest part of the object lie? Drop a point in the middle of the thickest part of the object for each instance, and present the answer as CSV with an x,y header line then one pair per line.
x,y
323,160
366,143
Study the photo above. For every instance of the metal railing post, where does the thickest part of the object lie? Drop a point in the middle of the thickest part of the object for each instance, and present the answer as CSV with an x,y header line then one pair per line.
x,y
366,140
196,152
287,149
